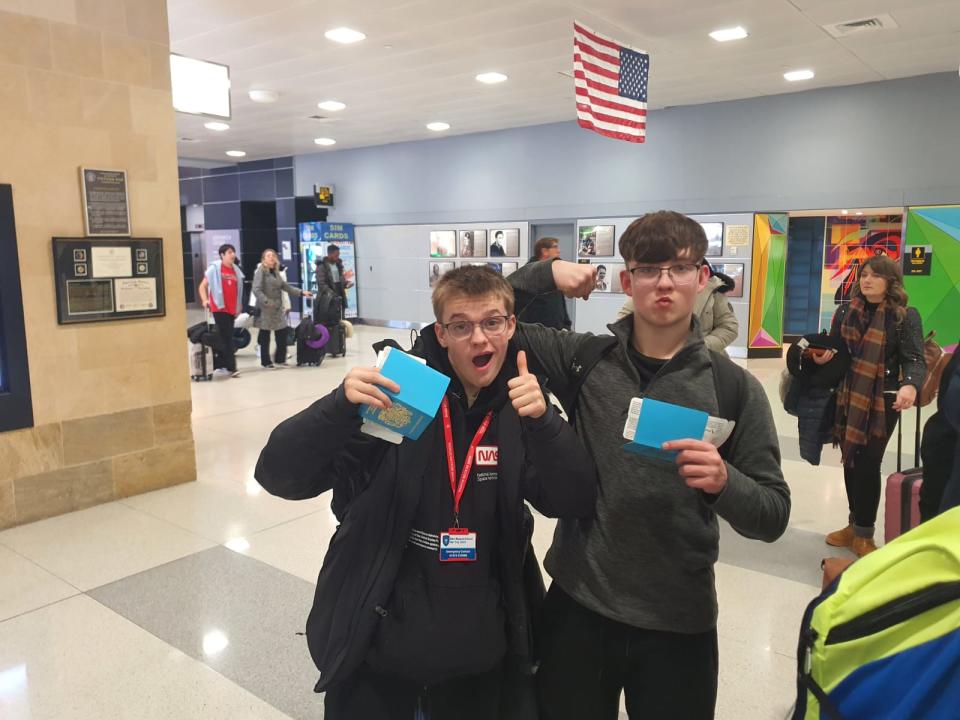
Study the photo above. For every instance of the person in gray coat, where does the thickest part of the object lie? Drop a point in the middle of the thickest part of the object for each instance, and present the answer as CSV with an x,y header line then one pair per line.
x,y
718,323
268,287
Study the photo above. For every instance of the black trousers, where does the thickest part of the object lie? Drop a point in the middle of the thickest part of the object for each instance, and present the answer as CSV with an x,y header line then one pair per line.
x,y
863,477
263,338
224,323
587,660
368,695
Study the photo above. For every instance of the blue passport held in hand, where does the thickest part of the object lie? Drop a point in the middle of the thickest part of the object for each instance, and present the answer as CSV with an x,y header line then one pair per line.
x,y
421,391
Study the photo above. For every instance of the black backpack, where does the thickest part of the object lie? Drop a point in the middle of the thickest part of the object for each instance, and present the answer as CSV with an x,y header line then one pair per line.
x,y
728,378
328,309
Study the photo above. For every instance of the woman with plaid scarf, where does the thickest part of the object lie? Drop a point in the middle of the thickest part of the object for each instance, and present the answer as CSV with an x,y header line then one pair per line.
x,y
885,340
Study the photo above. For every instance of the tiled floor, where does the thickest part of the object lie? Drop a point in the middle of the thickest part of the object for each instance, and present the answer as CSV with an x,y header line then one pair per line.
x,y
187,602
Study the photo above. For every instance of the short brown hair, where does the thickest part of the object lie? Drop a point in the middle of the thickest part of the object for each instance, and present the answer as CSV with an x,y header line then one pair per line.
x,y
663,235
544,243
472,281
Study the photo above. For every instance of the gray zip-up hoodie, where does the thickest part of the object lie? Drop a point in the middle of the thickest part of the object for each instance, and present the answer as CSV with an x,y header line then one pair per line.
x,y
647,557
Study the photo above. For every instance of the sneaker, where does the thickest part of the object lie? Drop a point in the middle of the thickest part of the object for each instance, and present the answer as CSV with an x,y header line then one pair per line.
x,y
235,373
283,364
271,366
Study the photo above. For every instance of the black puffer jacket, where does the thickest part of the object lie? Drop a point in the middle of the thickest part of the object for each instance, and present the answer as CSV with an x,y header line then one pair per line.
x,y
541,461
903,352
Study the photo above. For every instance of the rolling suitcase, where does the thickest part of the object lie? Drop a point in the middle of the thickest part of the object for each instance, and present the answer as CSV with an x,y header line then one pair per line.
x,y
311,346
337,344
902,493
201,367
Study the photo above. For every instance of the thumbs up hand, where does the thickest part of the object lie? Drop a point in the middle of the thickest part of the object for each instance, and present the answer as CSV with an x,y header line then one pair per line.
x,y
525,393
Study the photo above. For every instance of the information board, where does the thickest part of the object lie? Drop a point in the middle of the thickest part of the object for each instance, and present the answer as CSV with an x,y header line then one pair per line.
x,y
106,210
114,279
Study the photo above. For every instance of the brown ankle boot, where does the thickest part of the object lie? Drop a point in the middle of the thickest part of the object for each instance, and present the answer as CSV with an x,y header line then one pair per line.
x,y
841,538
863,546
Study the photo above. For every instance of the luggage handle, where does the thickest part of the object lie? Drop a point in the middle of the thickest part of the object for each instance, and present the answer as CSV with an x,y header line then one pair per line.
x,y
918,461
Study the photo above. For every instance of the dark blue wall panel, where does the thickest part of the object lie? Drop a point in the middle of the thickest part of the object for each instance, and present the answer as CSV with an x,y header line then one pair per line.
x,y
221,188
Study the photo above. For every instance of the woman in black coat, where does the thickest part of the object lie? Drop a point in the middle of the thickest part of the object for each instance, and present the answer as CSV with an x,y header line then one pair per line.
x,y
885,340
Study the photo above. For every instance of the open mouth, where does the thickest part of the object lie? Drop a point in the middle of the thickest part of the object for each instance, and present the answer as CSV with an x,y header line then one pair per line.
x,y
481,361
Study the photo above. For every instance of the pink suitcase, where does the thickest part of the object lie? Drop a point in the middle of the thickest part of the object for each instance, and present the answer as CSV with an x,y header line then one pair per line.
x,y
902,502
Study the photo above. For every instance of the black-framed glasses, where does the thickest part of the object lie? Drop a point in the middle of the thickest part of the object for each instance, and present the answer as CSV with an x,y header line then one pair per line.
x,y
680,274
490,326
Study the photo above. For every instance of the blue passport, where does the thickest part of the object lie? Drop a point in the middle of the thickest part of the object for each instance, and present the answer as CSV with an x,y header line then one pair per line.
x,y
421,391
660,422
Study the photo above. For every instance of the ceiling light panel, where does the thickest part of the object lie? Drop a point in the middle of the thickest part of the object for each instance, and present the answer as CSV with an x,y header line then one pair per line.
x,y
728,34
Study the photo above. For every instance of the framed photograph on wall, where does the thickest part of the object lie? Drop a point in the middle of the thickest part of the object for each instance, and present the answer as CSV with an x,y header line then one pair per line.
x,y
473,243
734,271
714,231
596,241
443,243
438,270
504,243
508,268
608,277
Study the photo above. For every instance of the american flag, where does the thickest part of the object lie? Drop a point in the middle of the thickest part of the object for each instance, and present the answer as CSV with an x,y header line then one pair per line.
x,y
611,85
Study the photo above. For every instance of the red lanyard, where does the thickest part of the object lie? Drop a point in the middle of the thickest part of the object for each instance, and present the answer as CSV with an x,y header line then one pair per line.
x,y
455,488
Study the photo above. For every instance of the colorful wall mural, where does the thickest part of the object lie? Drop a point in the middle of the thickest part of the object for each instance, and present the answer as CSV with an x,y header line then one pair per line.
x,y
849,241
935,295
767,281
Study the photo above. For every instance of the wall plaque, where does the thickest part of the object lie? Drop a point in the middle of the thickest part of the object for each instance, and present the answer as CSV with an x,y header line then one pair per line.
x,y
106,210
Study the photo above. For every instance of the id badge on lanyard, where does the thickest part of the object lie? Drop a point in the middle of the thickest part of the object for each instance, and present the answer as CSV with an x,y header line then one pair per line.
x,y
458,544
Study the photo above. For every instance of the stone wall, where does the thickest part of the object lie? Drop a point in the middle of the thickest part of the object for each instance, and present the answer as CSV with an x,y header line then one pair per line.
x,y
87,82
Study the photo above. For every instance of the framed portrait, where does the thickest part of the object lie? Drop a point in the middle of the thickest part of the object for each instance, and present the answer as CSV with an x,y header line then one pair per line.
x,y
734,271
438,270
608,277
596,241
714,231
473,243
504,243
443,243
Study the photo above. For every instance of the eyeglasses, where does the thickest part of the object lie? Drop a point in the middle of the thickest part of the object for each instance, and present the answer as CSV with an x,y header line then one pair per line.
x,y
492,326
680,274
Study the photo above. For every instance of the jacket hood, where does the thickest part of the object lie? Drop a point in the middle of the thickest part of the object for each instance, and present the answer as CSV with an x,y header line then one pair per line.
x,y
719,282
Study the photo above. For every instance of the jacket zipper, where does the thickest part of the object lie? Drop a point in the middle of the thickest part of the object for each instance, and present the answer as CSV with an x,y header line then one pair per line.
x,y
895,612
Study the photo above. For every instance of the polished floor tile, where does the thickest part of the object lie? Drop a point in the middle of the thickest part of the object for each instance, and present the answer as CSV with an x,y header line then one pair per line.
x,y
237,615
78,660
296,547
26,586
101,544
220,511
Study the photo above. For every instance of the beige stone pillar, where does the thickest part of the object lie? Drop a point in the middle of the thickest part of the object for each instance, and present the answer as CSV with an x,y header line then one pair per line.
x,y
87,83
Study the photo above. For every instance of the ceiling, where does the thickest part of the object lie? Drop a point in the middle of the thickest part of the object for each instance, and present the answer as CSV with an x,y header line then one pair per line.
x,y
420,57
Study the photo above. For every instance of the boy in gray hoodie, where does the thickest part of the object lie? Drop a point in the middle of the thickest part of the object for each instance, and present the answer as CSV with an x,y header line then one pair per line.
x,y
633,605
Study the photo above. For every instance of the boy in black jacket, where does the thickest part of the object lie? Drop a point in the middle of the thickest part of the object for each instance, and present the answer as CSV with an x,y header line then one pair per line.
x,y
392,627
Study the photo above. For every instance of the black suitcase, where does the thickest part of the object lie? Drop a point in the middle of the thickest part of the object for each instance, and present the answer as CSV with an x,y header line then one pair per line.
x,y
307,355
337,344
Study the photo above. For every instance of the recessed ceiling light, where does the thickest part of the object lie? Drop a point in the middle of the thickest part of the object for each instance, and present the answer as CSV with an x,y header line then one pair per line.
x,y
263,96
728,34
438,126
844,212
331,105
218,126
344,35
491,78
795,75
325,141
236,153
859,213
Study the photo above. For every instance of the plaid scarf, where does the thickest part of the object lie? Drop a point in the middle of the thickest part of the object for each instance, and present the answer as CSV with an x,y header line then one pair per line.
x,y
860,405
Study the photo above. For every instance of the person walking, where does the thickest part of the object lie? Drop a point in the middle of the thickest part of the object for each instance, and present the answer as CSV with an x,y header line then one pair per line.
x,y
269,285
221,291
884,337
